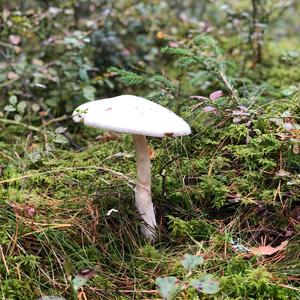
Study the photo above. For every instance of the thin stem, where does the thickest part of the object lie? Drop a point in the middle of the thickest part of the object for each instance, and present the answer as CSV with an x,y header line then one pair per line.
x,y
13,122
59,170
229,86
143,199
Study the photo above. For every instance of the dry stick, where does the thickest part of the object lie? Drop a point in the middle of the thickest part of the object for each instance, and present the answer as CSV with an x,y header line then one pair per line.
x,y
25,253
14,239
58,119
68,169
154,292
287,286
7,45
229,86
44,229
6,156
4,260
13,122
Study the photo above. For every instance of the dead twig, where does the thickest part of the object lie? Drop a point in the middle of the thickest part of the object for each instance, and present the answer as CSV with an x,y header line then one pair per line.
x,y
4,260
13,122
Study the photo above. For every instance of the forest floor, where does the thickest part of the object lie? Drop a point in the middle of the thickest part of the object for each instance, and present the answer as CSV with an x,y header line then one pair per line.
x,y
226,196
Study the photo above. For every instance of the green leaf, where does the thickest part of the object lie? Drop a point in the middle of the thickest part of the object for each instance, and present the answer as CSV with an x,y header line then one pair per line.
x,y
60,139
17,118
60,130
83,75
73,41
82,278
9,108
78,282
206,284
2,77
289,91
168,287
21,106
20,67
191,261
68,268
13,100
52,102
35,107
89,92
35,156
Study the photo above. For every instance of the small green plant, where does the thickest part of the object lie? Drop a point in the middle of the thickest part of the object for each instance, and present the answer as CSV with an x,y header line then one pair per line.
x,y
77,282
169,287
16,107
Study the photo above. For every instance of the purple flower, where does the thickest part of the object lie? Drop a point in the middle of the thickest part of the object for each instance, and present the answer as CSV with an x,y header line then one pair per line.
x,y
215,95
209,109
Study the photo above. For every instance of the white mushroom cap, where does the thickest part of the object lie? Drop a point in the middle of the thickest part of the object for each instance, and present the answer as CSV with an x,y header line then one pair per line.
x,y
131,114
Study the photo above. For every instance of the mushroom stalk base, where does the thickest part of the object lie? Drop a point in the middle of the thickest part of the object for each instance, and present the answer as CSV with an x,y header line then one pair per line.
x,y
143,199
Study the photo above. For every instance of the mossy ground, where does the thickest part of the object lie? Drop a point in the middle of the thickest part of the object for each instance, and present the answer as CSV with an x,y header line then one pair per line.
x,y
72,192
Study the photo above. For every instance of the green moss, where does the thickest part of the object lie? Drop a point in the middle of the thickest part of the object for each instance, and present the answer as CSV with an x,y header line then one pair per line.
x,y
199,229
254,283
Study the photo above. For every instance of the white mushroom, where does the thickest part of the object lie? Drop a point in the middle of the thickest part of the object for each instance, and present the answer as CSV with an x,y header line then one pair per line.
x,y
140,117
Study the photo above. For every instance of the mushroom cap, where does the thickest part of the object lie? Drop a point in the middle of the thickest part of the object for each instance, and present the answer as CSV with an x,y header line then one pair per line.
x,y
131,114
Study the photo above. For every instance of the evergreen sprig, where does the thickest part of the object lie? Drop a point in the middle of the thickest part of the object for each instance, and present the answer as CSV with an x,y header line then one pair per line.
x,y
127,77
177,51
203,52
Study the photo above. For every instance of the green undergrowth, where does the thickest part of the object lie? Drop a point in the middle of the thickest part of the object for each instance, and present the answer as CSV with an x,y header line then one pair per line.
x,y
194,180
67,191
234,181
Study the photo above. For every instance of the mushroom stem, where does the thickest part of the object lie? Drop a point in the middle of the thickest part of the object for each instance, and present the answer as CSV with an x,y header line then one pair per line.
x,y
143,199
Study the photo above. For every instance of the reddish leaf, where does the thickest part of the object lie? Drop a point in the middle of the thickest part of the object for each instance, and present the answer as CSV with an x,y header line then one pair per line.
x,y
296,214
283,173
209,109
268,250
12,76
173,44
14,39
23,210
215,95
109,136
